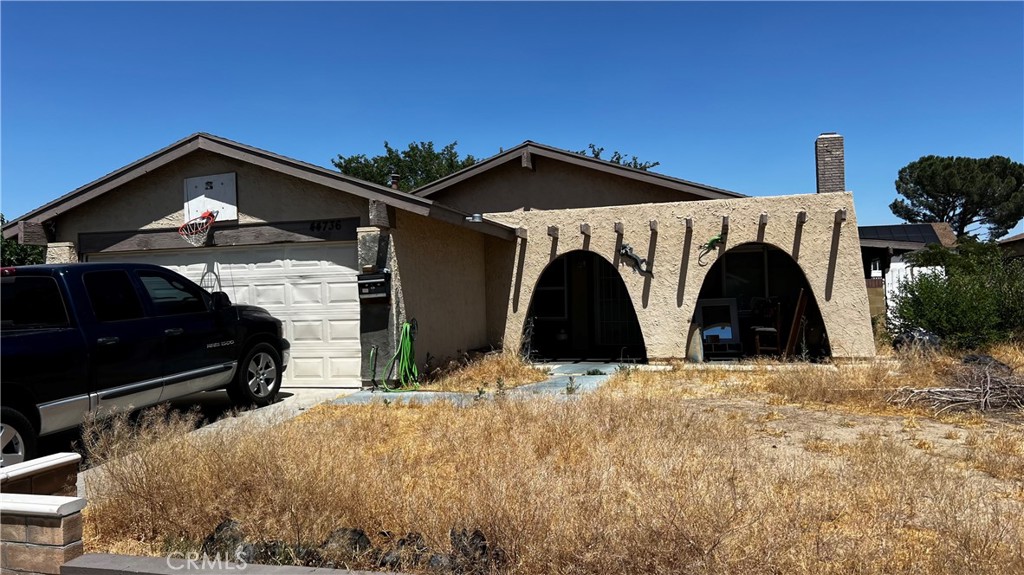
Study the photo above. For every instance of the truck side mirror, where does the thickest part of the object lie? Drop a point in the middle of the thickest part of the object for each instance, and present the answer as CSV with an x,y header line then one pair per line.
x,y
220,300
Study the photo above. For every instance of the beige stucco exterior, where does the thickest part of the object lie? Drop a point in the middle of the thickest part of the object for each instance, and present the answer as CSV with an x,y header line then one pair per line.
x,y
471,290
438,275
827,251
156,200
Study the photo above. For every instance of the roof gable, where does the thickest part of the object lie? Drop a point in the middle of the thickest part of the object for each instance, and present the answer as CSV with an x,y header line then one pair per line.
x,y
524,153
269,160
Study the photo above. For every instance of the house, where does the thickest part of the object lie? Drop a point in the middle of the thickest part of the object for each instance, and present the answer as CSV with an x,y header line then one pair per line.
x,y
586,258
1013,246
882,255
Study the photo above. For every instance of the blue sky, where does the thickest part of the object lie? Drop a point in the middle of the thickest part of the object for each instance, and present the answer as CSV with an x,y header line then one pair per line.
x,y
727,94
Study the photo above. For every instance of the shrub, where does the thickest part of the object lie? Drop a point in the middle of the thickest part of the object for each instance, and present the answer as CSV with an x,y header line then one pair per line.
x,y
976,301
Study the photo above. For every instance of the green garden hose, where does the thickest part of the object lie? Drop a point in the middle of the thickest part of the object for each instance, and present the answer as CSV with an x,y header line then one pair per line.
x,y
408,375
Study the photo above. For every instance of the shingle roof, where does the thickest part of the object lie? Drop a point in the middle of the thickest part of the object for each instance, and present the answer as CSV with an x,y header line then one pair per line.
x,y
296,168
921,234
1012,239
528,147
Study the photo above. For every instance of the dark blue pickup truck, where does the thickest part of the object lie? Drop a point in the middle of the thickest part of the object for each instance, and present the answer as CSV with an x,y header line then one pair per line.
x,y
82,338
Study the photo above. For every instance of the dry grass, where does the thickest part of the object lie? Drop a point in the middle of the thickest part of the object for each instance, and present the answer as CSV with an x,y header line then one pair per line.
x,y
489,372
620,480
820,444
861,388
1000,455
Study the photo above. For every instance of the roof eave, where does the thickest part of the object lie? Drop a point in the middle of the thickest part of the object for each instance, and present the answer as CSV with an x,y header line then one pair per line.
x,y
109,181
701,190
492,228
228,148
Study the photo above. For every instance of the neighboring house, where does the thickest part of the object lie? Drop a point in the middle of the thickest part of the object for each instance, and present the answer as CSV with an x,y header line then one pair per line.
x,y
605,260
883,249
1013,246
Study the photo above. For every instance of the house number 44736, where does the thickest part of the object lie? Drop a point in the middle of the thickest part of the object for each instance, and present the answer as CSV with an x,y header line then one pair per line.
x,y
325,225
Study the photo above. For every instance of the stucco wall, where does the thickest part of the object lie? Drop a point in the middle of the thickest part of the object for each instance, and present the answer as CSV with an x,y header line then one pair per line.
x,y
499,263
550,185
156,200
438,270
828,253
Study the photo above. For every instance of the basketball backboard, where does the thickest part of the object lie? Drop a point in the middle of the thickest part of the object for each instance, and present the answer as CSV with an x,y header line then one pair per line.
x,y
215,193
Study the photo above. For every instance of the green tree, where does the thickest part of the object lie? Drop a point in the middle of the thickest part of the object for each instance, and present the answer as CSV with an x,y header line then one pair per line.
x,y
417,166
976,299
964,192
618,158
14,254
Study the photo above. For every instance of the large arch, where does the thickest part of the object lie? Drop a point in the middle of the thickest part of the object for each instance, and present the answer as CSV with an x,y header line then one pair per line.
x,y
581,309
756,299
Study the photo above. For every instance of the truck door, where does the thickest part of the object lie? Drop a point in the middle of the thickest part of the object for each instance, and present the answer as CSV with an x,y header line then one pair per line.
x,y
198,343
124,344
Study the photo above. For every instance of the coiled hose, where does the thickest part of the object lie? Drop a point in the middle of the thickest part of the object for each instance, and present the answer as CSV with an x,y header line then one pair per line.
x,y
408,375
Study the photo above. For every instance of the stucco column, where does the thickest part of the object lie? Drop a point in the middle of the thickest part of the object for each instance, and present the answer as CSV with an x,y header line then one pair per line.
x,y
61,253
376,324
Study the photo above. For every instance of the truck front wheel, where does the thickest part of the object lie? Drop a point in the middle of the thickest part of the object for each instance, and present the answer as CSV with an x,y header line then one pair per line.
x,y
259,377
17,437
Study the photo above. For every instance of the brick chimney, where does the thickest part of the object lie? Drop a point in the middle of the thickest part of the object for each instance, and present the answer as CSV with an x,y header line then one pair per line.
x,y
829,162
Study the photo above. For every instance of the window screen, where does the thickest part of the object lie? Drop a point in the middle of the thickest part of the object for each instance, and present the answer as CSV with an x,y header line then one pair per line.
x,y
170,295
31,302
112,296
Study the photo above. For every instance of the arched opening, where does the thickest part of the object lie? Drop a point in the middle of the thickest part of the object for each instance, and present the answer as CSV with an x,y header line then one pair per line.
x,y
581,310
756,301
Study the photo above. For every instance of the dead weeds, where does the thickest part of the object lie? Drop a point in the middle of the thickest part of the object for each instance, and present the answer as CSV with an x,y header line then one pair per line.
x,y
490,372
620,480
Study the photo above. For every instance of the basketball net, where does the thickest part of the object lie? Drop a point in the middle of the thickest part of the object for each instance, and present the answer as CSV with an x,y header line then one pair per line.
x,y
196,230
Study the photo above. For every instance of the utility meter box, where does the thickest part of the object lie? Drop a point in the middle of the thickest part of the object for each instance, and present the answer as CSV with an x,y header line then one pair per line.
x,y
375,287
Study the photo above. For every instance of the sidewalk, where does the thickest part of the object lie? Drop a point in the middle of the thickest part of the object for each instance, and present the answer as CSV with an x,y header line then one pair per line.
x,y
557,384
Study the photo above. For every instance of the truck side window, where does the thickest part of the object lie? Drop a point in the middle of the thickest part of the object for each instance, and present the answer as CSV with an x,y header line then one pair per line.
x,y
170,295
28,302
112,295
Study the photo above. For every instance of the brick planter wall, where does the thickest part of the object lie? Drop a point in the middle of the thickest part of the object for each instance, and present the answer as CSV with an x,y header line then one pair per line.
x,y
39,533
40,526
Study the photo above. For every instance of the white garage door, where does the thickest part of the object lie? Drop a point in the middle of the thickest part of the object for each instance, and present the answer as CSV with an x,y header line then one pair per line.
x,y
310,287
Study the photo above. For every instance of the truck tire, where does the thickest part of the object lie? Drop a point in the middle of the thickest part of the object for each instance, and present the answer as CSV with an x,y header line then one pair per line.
x,y
259,377
17,437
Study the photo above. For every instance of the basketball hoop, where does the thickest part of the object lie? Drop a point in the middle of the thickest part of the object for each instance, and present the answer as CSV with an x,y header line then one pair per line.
x,y
196,230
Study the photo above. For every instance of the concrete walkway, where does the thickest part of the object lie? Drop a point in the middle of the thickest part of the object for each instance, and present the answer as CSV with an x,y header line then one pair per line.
x,y
557,384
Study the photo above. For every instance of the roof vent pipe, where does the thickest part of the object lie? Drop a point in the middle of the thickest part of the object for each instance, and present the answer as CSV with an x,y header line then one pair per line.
x,y
394,181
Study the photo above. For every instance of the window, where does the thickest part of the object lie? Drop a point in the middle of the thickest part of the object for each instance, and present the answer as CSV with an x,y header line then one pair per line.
x,y
28,302
112,296
718,320
170,295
